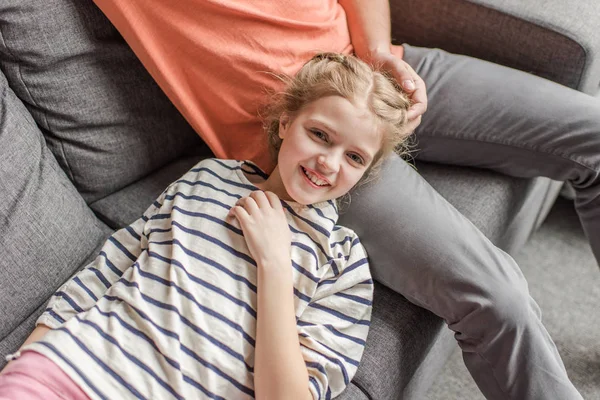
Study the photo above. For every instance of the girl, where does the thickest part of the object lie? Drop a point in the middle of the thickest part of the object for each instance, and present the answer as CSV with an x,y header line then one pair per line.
x,y
233,284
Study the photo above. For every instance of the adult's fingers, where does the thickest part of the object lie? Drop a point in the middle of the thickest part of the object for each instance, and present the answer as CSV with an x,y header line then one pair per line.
x,y
412,125
418,95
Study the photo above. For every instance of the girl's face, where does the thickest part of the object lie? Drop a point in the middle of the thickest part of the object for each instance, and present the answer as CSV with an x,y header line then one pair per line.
x,y
326,149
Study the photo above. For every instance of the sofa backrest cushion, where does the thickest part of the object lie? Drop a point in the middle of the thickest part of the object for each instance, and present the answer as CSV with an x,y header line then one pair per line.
x,y
104,118
47,230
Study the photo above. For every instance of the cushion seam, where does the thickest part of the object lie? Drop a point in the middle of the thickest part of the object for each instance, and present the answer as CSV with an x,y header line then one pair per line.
x,y
551,27
32,100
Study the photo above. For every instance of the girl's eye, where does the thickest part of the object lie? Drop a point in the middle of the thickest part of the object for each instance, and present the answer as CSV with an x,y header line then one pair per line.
x,y
319,134
356,158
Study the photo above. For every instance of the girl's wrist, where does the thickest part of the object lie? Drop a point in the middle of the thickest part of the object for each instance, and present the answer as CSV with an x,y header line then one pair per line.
x,y
275,267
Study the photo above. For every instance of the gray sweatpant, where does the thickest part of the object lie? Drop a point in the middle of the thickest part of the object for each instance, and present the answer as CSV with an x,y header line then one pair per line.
x,y
483,115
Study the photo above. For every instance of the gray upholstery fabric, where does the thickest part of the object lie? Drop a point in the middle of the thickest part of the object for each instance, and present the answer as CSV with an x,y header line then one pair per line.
x,y
104,118
46,227
353,392
544,37
11,342
125,206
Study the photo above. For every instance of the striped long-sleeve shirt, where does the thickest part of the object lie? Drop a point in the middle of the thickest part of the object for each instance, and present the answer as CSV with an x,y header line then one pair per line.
x,y
168,308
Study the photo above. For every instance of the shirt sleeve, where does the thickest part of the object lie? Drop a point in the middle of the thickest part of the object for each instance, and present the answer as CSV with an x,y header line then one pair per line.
x,y
82,291
333,328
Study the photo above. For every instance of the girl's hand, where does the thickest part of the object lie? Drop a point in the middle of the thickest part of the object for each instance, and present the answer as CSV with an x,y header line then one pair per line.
x,y
409,80
265,228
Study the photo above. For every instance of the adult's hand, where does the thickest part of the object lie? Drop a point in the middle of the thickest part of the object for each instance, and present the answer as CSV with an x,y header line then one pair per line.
x,y
408,79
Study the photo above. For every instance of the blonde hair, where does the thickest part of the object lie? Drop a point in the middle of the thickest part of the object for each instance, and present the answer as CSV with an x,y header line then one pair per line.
x,y
332,74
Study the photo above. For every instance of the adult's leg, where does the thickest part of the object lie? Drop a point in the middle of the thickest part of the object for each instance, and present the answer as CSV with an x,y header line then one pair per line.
x,y
486,115
410,233
483,115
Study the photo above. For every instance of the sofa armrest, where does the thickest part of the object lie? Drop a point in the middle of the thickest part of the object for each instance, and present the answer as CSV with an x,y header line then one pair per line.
x,y
551,38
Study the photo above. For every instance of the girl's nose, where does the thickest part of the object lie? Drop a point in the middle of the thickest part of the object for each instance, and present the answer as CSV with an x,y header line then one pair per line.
x,y
328,163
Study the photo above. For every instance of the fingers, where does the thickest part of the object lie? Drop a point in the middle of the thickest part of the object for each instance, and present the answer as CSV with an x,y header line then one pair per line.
x,y
240,213
412,125
419,92
274,200
259,200
412,84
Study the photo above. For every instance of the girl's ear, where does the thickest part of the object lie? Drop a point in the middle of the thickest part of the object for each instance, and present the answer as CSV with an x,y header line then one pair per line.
x,y
284,123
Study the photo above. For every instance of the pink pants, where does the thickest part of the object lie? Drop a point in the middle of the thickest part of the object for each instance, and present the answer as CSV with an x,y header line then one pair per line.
x,y
33,376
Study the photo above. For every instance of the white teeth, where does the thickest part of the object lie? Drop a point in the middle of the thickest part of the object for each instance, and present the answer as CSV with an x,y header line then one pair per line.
x,y
314,179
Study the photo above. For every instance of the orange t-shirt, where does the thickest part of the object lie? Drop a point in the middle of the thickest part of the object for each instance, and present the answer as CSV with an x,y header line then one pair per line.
x,y
212,58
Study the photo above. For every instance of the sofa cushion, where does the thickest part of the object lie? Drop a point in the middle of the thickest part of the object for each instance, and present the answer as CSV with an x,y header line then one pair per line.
x,y
554,39
128,204
46,229
104,118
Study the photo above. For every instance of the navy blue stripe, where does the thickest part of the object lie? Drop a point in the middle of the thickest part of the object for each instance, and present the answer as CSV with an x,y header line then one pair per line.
x,y
122,248
131,357
100,276
69,300
301,295
227,181
321,214
159,230
340,315
133,233
210,218
55,315
334,331
334,205
256,169
308,250
81,374
328,394
333,360
366,282
328,281
208,185
316,385
315,226
87,290
207,285
215,241
355,265
186,322
337,353
208,261
317,244
199,198
317,366
303,271
175,364
105,367
352,297
110,265
207,310
334,267
347,238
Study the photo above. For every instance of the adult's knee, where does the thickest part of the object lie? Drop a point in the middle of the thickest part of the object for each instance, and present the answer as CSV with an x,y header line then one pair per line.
x,y
499,310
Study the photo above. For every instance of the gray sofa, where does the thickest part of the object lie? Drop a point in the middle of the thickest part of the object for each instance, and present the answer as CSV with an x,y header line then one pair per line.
x,y
88,140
